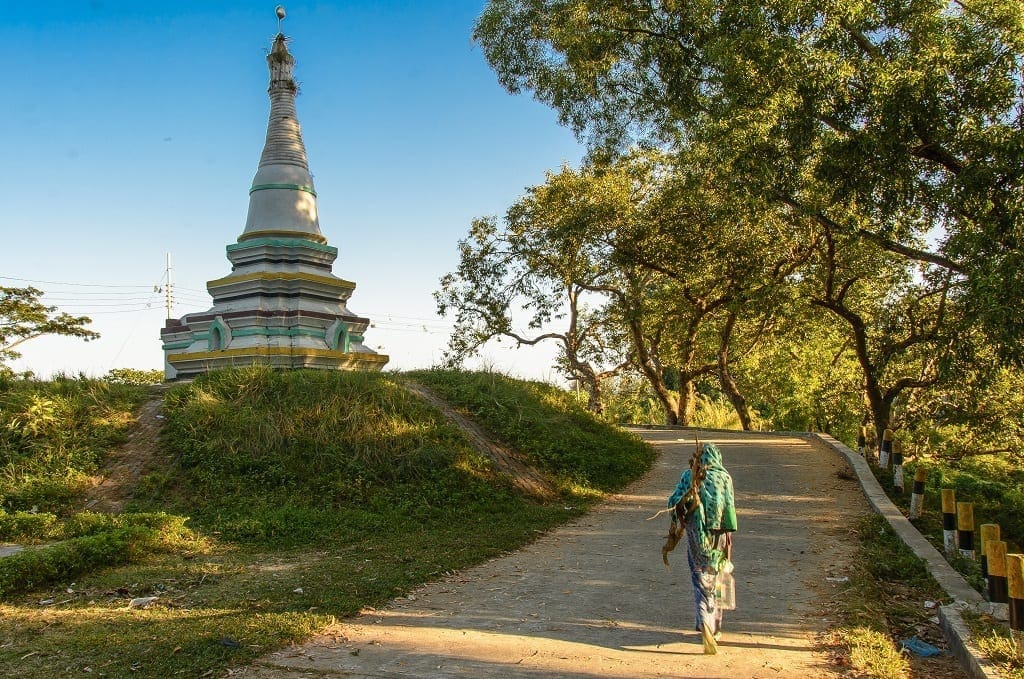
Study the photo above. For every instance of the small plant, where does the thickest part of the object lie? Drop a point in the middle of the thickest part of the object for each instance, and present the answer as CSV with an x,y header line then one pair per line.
x,y
134,376
997,643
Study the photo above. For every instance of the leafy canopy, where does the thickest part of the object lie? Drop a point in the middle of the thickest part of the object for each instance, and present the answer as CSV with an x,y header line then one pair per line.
x,y
897,122
24,317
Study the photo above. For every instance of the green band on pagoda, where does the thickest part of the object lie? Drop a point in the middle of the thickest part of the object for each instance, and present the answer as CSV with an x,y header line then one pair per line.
x,y
293,187
178,345
278,332
283,243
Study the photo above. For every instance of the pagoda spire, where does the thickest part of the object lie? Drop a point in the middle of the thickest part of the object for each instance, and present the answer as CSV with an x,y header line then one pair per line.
x,y
282,199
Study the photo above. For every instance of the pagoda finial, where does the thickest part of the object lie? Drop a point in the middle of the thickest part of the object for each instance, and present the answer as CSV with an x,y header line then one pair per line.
x,y
280,16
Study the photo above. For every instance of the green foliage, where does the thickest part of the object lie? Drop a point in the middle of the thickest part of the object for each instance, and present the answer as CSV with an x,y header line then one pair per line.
x,y
629,399
803,377
54,434
546,424
119,542
884,121
134,376
715,413
998,495
24,317
35,527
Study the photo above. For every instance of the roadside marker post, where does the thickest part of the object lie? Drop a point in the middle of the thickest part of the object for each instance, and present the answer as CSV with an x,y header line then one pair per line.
x,y
997,564
1015,587
965,529
989,532
885,449
917,493
897,466
949,520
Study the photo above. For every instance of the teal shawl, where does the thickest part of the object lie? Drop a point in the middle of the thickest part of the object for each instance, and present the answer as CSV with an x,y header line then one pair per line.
x,y
717,504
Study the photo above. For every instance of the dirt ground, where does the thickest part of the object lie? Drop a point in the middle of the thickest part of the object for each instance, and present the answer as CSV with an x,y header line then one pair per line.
x,y
593,599
121,472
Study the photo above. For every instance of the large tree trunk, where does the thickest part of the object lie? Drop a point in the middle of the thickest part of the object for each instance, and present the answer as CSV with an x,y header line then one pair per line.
x,y
595,402
651,369
728,384
687,404
739,402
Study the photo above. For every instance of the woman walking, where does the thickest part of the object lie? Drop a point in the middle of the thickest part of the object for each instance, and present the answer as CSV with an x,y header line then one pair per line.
x,y
703,500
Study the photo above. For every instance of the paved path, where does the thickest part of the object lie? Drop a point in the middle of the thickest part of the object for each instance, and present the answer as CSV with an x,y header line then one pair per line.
x,y
7,549
592,599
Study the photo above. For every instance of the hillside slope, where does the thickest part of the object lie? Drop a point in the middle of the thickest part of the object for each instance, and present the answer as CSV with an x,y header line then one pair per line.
x,y
310,496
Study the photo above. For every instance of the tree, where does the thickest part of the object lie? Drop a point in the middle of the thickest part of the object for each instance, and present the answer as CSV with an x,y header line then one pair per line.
x,y
976,413
801,375
899,322
886,121
719,262
527,267
24,317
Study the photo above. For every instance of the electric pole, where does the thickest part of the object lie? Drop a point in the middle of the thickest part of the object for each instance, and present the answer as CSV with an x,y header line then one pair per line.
x,y
168,300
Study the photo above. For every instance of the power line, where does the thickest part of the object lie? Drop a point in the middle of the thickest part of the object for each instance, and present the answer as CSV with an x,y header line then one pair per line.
x,y
79,301
119,311
83,285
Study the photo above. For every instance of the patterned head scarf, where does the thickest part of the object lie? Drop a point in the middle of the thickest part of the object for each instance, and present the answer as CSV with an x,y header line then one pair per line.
x,y
718,505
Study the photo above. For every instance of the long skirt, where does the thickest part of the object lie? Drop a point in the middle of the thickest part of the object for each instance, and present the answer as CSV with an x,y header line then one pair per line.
x,y
703,576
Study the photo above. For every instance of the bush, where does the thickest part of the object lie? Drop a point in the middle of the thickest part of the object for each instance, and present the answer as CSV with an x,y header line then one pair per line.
x,y
34,568
29,528
134,376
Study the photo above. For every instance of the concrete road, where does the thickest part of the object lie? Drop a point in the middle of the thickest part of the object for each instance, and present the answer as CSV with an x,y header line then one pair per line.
x,y
592,599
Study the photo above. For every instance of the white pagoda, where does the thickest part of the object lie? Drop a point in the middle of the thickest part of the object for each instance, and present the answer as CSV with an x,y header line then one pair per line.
x,y
280,305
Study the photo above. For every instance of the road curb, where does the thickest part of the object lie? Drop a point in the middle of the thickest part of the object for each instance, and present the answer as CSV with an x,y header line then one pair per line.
x,y
964,596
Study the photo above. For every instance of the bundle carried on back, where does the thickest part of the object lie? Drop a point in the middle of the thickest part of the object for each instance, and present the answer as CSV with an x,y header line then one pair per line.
x,y
687,505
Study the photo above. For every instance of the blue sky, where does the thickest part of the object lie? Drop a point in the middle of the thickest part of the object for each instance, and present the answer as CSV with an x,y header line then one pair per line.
x,y
133,129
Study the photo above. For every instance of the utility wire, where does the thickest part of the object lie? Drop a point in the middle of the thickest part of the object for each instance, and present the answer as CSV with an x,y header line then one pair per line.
x,y
84,285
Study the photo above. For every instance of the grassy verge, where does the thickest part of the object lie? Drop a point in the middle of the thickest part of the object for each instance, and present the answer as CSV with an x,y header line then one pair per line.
x,y
882,603
994,485
316,494
995,641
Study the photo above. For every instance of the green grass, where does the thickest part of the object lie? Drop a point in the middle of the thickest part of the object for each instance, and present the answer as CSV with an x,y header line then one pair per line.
x,y
311,495
53,435
546,424
881,603
997,644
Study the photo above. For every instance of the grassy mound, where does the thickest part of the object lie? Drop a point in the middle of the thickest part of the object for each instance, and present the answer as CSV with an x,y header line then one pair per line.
x,y
286,459
546,424
311,495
